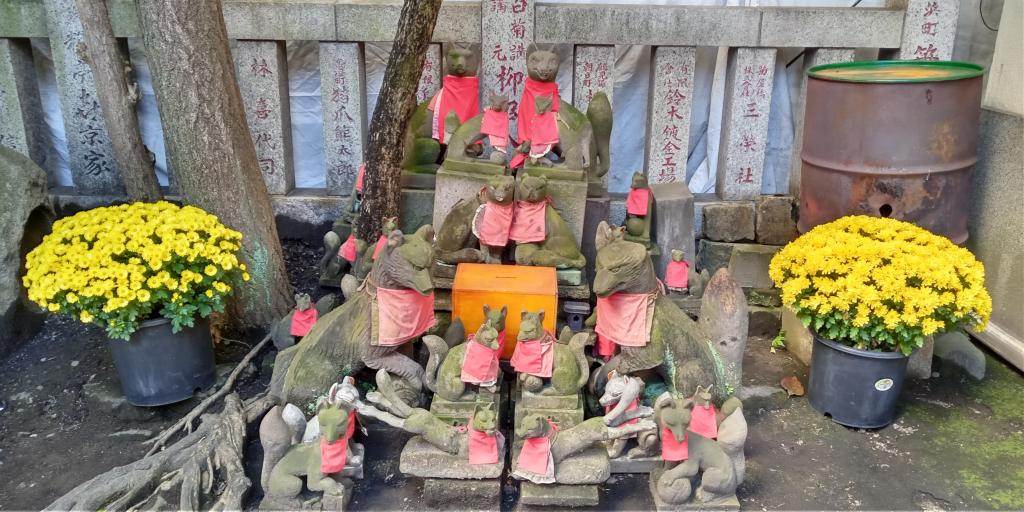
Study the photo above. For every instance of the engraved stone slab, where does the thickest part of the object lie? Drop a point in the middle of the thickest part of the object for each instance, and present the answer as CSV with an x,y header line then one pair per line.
x,y
263,81
21,121
507,32
430,80
342,86
748,91
593,72
668,132
90,155
929,29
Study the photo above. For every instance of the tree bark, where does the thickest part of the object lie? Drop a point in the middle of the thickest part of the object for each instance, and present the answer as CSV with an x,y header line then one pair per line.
x,y
109,70
382,184
209,145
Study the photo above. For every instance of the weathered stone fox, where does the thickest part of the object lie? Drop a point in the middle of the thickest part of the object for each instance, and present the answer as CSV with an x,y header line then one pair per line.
x,y
444,368
678,348
340,342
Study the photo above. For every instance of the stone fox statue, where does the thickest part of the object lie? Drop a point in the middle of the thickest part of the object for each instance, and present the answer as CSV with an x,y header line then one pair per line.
x,y
284,484
457,241
429,129
558,248
570,441
708,463
347,339
569,365
445,369
674,345
621,401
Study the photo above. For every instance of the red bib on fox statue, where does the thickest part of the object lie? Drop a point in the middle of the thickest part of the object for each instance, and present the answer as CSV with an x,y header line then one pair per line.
x,y
495,224
334,455
626,318
483,449
479,364
302,321
536,453
636,202
403,315
528,222
459,94
677,275
527,110
672,450
535,357
702,421
495,126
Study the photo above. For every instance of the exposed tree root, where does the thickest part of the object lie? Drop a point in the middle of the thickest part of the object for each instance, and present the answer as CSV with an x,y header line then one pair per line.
x,y
202,471
186,422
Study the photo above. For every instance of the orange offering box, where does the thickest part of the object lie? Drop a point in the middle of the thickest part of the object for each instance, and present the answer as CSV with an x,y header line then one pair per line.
x,y
521,288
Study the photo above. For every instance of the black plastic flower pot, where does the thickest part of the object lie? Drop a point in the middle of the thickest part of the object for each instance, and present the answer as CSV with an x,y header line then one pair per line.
x,y
159,367
857,388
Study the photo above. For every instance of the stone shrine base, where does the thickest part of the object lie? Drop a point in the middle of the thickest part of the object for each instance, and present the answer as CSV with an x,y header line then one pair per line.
x,y
723,503
422,459
558,495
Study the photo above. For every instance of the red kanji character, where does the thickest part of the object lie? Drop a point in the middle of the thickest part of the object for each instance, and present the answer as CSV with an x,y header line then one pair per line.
x,y
263,141
518,50
762,70
931,8
519,29
498,54
673,112
748,143
261,68
752,110
674,97
509,79
518,6
928,27
670,147
926,53
498,6
745,85
262,109
671,130
746,175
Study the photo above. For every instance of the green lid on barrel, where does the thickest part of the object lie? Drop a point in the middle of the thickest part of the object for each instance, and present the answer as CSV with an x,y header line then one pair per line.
x,y
896,71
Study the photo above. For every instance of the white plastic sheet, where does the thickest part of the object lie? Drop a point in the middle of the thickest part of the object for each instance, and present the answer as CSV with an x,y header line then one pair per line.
x,y
632,80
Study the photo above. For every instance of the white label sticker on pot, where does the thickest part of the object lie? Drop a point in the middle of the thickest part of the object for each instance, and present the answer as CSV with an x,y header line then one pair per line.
x,y
883,384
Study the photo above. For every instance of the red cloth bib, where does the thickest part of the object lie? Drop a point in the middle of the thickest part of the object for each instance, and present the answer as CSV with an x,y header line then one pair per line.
x,y
495,126
544,132
536,453
636,201
403,315
495,224
479,364
632,407
535,357
381,242
359,178
673,450
677,274
459,94
528,221
334,455
605,348
501,342
302,321
348,249
625,318
702,421
483,449
527,105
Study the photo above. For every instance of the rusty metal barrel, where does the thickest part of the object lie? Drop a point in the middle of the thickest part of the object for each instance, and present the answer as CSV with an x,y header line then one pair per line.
x,y
891,139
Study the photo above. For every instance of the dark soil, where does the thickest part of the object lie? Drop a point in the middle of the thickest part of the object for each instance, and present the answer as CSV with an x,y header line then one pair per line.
x,y
957,444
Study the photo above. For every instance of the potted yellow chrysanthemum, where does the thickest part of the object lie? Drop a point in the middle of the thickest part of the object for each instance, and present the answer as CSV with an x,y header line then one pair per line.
x,y
871,290
150,274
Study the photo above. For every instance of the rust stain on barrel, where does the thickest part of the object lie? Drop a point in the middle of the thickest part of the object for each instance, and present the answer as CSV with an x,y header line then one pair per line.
x,y
898,141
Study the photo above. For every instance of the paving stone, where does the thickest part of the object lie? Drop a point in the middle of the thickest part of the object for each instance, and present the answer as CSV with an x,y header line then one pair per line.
x,y
745,122
799,340
929,30
775,222
673,223
21,114
90,155
342,87
749,265
956,348
672,70
729,221
919,365
262,71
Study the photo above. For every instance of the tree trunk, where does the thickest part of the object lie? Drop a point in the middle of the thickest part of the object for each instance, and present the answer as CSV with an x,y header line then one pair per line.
x,y
382,191
208,143
111,74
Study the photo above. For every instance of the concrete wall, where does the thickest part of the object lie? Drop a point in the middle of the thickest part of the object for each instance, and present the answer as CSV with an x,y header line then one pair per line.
x,y
997,215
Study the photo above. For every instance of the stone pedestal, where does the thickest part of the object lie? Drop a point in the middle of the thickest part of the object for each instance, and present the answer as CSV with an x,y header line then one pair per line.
x,y
448,493
748,94
342,87
21,113
673,223
625,464
595,212
724,503
668,131
262,71
458,412
90,154
749,265
556,495
422,459
565,411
